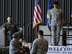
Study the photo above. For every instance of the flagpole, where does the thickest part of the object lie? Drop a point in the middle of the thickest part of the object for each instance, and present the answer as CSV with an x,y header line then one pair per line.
x,y
36,31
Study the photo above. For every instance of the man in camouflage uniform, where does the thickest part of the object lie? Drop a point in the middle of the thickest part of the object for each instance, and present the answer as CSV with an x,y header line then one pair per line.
x,y
15,47
55,18
40,45
9,28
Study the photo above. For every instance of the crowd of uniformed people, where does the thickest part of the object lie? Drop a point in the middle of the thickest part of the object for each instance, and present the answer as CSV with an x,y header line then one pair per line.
x,y
16,43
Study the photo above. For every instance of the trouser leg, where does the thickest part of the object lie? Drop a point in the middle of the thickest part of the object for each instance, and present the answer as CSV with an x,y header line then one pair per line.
x,y
58,34
53,29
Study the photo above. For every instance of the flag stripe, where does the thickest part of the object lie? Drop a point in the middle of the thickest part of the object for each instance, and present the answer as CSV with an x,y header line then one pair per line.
x,y
37,15
38,7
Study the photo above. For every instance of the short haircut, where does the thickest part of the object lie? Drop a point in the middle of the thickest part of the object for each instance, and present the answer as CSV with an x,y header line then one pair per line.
x,y
40,32
56,3
9,17
16,35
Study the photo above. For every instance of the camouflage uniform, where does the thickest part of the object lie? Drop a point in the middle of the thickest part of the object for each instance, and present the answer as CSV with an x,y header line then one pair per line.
x,y
14,47
55,18
9,30
40,46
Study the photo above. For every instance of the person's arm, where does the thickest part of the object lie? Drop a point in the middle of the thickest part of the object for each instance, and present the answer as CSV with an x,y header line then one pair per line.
x,y
49,16
15,46
62,19
34,48
18,28
4,28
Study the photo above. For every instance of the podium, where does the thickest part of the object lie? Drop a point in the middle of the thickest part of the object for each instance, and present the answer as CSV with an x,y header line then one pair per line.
x,y
2,38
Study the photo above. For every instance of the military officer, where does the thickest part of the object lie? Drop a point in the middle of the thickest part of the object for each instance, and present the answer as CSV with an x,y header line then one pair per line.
x,y
40,45
15,47
9,28
54,16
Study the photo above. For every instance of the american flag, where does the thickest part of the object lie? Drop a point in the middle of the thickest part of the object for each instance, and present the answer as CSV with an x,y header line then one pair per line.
x,y
37,18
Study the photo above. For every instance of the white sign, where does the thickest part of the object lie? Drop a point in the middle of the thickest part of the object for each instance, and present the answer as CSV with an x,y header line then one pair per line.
x,y
59,50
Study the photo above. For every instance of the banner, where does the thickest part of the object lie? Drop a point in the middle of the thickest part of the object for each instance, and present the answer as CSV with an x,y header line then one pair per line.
x,y
59,50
